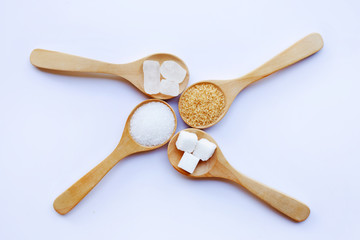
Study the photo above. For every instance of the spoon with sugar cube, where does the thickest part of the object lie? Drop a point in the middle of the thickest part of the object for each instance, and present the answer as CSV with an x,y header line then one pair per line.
x,y
160,76
205,103
205,160
149,126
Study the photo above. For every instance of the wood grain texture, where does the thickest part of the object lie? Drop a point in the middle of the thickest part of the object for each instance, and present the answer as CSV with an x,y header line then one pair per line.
x,y
132,72
127,146
218,167
305,47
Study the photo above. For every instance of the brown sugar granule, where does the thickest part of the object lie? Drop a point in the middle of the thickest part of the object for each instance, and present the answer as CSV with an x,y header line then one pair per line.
x,y
201,104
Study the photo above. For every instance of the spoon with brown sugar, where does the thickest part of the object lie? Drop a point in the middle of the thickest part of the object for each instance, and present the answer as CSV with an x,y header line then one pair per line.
x,y
205,103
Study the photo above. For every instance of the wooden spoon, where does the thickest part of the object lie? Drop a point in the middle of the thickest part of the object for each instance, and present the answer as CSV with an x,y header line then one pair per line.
x,y
132,72
231,88
218,167
127,146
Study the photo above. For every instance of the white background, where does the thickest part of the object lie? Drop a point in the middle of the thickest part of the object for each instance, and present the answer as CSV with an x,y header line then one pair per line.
x,y
297,130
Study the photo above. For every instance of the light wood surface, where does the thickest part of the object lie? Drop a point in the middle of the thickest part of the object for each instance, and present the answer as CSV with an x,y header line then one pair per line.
x,y
127,146
132,72
218,167
305,47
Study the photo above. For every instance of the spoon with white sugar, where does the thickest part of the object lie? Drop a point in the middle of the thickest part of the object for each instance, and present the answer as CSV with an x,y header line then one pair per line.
x,y
132,72
205,103
149,126
218,167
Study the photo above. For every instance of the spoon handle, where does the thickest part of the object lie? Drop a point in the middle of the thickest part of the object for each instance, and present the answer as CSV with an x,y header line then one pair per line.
x,y
65,62
279,201
74,194
305,47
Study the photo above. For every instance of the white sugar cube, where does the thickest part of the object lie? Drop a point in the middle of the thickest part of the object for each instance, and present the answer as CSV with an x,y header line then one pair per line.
x,y
186,141
151,76
204,149
188,162
168,87
171,70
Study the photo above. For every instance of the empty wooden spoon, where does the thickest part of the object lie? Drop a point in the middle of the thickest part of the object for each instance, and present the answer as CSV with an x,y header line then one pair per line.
x,y
132,72
218,167
205,110
127,146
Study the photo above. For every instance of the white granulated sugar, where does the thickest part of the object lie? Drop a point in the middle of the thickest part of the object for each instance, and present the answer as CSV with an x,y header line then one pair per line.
x,y
186,141
152,124
188,162
171,70
169,87
151,76
204,149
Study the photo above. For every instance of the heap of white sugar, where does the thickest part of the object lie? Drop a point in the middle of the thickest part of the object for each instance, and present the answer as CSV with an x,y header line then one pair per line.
x,y
172,73
152,124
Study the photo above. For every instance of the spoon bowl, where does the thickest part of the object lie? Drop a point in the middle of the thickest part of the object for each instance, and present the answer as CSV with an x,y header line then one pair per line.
x,y
132,72
218,167
127,146
231,88
203,168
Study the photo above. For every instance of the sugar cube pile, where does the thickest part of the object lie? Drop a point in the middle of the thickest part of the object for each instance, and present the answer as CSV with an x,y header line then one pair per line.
x,y
173,75
194,150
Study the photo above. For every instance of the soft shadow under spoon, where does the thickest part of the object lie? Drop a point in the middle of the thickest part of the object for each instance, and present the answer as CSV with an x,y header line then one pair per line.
x,y
132,72
229,89
127,146
218,167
